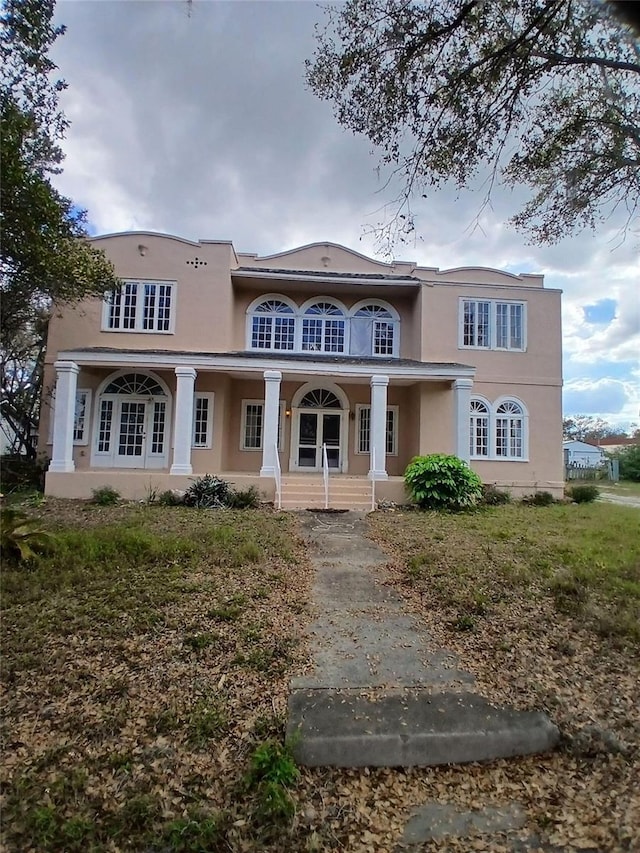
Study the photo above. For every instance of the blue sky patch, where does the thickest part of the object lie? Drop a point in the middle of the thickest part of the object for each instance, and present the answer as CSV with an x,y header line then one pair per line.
x,y
601,312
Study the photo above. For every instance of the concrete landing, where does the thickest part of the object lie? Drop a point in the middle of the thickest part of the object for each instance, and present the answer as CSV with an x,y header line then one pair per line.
x,y
381,693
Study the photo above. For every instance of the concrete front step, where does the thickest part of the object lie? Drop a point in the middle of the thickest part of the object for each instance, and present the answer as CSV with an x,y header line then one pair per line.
x,y
306,492
407,728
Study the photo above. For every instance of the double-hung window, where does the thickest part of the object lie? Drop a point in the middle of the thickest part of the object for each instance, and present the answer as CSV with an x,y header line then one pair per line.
x,y
363,433
492,324
479,430
252,425
140,306
498,430
509,431
202,419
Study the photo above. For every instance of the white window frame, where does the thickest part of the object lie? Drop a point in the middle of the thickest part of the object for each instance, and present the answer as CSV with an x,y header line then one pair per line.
x,y
360,407
243,425
252,314
492,343
138,326
393,321
493,417
84,439
209,396
474,417
344,318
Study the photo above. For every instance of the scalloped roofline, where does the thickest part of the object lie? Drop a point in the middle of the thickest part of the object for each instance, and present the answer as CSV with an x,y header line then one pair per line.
x,y
160,234
323,243
519,276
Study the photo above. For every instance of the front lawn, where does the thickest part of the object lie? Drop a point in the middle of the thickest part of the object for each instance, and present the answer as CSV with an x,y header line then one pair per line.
x,y
146,663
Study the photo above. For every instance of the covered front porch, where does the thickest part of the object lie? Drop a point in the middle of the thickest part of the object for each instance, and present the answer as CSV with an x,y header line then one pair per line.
x,y
165,418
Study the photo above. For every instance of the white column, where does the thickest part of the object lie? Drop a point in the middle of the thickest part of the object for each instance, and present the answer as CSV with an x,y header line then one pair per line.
x,y
64,417
272,379
378,428
183,421
461,416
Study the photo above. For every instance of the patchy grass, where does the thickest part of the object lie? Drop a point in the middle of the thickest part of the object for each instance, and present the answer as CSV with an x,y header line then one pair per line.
x,y
584,559
624,487
145,659
146,664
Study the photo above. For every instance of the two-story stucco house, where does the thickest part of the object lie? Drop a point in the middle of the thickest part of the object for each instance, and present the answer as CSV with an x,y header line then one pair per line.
x,y
212,361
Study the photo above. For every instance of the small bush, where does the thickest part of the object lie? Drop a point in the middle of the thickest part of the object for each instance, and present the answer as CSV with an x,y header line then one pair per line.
x,y
245,498
492,496
172,497
629,458
584,494
208,492
105,496
18,473
539,499
440,481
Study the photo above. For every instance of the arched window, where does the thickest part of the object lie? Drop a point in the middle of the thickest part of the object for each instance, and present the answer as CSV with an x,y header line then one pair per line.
x,y
374,330
323,328
273,325
509,430
320,398
479,429
135,383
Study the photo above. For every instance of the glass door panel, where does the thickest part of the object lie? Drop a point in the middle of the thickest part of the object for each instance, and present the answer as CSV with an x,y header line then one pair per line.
x,y
308,440
331,437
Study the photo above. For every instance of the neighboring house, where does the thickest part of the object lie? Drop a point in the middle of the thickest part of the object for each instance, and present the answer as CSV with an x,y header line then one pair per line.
x,y
212,361
580,454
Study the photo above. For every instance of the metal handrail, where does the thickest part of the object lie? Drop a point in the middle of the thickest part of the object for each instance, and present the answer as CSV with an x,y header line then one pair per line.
x,y
325,475
277,473
373,479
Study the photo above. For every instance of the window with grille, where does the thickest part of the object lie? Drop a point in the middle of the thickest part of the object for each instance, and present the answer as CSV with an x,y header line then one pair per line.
x,y
140,306
363,435
323,328
273,326
479,429
202,420
253,424
490,324
509,430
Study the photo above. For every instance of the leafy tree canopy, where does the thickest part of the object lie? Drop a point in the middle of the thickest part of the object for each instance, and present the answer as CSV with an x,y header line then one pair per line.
x,y
545,93
43,256
590,429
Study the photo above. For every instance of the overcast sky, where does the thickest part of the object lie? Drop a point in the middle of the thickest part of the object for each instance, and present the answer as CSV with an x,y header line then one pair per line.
x,y
201,125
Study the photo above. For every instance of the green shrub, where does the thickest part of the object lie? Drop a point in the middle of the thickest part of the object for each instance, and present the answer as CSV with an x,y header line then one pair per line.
x,y
208,492
584,494
492,496
440,481
105,496
629,459
245,498
21,537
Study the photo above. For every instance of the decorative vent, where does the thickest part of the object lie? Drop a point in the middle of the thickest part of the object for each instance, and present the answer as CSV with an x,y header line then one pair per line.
x,y
197,262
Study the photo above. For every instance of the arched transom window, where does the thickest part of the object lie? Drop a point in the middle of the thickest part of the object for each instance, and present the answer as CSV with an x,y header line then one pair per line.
x,y
273,326
498,431
135,383
373,331
323,328
320,398
323,325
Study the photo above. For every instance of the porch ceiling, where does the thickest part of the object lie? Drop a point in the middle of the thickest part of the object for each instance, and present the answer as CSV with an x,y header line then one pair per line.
x,y
250,365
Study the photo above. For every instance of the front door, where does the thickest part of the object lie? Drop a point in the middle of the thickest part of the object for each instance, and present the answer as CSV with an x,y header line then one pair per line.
x,y
140,438
315,429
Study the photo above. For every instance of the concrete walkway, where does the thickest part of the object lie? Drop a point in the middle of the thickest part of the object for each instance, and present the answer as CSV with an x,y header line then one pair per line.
x,y
381,693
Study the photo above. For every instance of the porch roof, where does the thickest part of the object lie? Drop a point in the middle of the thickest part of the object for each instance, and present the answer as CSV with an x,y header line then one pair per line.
x,y
248,363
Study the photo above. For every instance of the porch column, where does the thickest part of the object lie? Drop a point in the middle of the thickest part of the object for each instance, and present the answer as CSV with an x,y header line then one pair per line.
x,y
64,417
378,428
183,422
461,416
272,379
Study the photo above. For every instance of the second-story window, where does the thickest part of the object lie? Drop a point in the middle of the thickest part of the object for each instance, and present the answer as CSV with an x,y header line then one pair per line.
x,y
273,326
491,324
140,306
373,331
323,328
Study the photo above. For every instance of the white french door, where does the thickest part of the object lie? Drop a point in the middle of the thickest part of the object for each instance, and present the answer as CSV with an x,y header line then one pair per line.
x,y
132,433
315,428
